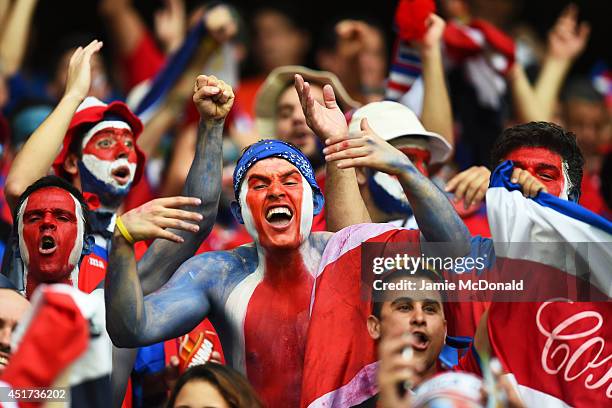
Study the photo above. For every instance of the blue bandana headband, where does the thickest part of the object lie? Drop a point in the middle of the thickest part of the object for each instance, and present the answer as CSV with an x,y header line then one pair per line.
x,y
276,148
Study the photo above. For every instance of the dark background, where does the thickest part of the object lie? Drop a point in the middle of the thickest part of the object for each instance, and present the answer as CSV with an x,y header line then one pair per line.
x,y
55,19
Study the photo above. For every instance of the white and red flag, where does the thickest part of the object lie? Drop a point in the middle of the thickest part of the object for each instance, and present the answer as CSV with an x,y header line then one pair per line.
x,y
558,349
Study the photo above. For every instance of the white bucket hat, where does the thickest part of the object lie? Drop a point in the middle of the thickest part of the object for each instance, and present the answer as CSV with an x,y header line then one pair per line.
x,y
391,120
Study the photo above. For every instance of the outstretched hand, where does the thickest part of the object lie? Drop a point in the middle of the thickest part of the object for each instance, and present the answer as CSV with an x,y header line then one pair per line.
x,y
368,150
220,23
568,38
151,220
78,81
326,120
170,24
213,97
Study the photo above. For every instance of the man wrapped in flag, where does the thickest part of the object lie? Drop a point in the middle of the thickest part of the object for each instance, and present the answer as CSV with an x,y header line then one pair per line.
x,y
258,296
563,356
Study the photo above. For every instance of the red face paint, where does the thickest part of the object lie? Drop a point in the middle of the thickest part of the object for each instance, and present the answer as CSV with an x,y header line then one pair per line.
x,y
50,233
111,144
275,186
419,157
543,164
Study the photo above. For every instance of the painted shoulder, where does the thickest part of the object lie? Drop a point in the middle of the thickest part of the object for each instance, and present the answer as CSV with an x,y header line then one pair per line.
x,y
220,271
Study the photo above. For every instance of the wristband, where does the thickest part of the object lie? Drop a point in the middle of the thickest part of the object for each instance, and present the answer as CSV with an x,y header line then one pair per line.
x,y
123,230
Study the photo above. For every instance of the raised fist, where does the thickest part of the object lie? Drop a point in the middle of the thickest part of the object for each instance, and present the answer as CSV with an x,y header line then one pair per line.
x,y
213,97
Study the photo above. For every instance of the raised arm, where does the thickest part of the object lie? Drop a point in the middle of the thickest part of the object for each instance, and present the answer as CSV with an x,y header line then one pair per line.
x,y
434,214
344,205
566,41
133,319
37,155
437,115
14,38
214,99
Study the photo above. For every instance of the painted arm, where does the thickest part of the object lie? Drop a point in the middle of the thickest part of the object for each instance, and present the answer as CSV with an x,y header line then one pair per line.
x,y
133,319
344,205
214,99
15,35
37,155
434,214
437,115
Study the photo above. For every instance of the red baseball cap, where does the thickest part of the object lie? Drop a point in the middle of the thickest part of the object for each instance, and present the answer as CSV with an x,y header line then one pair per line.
x,y
91,111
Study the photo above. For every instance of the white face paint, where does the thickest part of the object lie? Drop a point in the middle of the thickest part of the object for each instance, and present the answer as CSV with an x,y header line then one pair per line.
x,y
23,249
567,184
307,211
103,170
105,124
391,185
247,217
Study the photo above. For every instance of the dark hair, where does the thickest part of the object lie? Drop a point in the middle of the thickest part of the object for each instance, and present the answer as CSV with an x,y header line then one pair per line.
x,y
290,11
397,274
546,135
54,181
232,385
581,89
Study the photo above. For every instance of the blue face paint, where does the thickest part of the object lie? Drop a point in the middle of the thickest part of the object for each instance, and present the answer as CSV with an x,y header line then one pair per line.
x,y
384,200
110,196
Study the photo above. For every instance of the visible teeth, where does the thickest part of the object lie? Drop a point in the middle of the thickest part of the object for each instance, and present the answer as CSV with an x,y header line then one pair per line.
x,y
3,360
278,210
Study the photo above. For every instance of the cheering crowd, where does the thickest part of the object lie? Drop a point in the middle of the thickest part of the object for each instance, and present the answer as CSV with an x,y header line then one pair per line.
x,y
177,234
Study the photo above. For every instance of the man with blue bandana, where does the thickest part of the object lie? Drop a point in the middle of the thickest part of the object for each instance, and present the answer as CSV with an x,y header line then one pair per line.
x,y
258,296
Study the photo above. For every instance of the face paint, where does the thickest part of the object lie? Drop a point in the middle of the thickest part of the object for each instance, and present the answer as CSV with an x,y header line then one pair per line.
x,y
276,204
419,157
109,161
545,165
388,194
416,149
50,235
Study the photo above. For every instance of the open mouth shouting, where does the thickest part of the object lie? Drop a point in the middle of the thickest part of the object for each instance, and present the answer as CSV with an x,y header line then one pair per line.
x,y
279,217
420,340
47,245
121,175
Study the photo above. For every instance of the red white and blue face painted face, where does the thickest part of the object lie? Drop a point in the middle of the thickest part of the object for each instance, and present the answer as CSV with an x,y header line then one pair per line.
x,y
276,204
50,234
544,164
108,164
109,153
